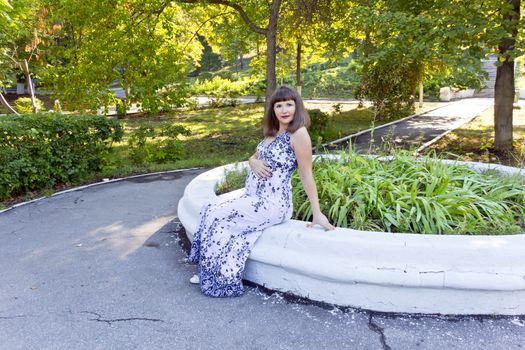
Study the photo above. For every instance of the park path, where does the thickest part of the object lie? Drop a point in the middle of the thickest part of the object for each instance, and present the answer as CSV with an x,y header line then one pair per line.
x,y
204,101
102,268
418,131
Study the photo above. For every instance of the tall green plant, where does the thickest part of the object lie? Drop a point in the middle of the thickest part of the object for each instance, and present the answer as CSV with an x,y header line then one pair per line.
x,y
390,84
406,194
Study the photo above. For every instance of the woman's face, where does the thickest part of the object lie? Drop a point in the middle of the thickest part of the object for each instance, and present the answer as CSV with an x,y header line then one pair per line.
x,y
285,112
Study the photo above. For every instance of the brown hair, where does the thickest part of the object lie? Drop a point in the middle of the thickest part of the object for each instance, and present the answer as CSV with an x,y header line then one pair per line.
x,y
300,119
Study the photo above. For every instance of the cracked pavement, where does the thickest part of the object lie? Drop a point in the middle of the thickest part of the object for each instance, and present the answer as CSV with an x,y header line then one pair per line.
x,y
104,268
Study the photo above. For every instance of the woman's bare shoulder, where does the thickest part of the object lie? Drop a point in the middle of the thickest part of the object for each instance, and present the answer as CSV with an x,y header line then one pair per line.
x,y
300,137
302,132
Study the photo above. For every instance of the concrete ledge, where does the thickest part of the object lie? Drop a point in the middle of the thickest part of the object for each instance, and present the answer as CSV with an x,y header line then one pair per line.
x,y
381,271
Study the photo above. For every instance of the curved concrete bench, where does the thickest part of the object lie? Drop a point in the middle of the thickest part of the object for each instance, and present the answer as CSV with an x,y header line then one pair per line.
x,y
390,272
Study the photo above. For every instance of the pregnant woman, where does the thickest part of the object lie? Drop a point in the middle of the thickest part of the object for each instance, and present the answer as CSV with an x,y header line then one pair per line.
x,y
228,229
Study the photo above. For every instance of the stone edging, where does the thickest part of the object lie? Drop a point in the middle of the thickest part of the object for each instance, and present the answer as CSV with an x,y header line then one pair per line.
x,y
409,273
103,182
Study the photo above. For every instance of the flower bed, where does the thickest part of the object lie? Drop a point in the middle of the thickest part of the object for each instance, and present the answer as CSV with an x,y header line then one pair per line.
x,y
392,272
404,193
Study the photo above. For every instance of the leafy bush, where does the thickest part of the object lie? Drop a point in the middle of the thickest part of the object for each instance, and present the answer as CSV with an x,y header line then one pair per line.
x,y
406,194
150,144
390,84
23,105
40,150
319,122
337,108
121,109
234,179
340,81
465,75
223,91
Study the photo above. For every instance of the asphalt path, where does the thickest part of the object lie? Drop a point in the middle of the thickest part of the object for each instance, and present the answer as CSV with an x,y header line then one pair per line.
x,y
105,268
204,101
412,133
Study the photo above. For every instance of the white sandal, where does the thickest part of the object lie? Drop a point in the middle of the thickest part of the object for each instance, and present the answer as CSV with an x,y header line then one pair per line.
x,y
195,279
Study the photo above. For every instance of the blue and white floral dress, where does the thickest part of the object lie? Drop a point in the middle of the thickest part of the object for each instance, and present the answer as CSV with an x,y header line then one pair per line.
x,y
228,229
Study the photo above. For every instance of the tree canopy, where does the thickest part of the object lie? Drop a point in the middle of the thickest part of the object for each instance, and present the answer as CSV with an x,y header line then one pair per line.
x,y
148,48
145,47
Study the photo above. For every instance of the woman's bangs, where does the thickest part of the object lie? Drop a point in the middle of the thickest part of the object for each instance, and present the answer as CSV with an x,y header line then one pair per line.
x,y
283,94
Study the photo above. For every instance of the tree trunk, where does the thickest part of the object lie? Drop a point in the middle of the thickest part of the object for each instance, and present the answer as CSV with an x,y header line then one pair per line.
x,y
270,33
420,94
6,105
504,87
271,51
25,68
298,69
503,101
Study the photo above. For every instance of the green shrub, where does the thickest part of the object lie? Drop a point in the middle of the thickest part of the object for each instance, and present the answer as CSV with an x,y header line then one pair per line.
x,y
23,105
38,151
150,144
223,91
337,108
339,81
234,179
467,74
121,109
390,84
319,122
406,194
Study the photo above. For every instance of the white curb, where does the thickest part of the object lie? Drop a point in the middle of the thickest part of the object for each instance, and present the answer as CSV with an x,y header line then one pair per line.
x,y
381,271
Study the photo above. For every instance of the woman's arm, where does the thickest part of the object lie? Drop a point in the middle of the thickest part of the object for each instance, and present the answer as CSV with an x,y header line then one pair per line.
x,y
260,168
302,146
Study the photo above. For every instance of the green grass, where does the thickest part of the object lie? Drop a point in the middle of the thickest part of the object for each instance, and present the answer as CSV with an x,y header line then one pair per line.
x,y
234,179
474,141
348,122
218,136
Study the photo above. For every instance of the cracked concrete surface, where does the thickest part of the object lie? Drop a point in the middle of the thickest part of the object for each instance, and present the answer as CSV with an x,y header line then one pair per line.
x,y
103,268
379,330
110,321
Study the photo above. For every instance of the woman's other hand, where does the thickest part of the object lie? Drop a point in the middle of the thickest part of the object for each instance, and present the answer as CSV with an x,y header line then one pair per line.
x,y
260,168
321,220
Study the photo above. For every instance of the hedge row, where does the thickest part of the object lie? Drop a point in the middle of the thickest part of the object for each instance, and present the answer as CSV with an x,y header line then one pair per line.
x,y
40,150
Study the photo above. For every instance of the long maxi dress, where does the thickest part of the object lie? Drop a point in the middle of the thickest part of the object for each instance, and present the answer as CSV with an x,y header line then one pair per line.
x,y
228,229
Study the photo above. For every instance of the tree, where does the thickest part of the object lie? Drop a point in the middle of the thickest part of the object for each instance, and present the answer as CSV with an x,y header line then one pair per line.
x,y
147,48
504,88
22,41
5,21
299,39
433,35
249,10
